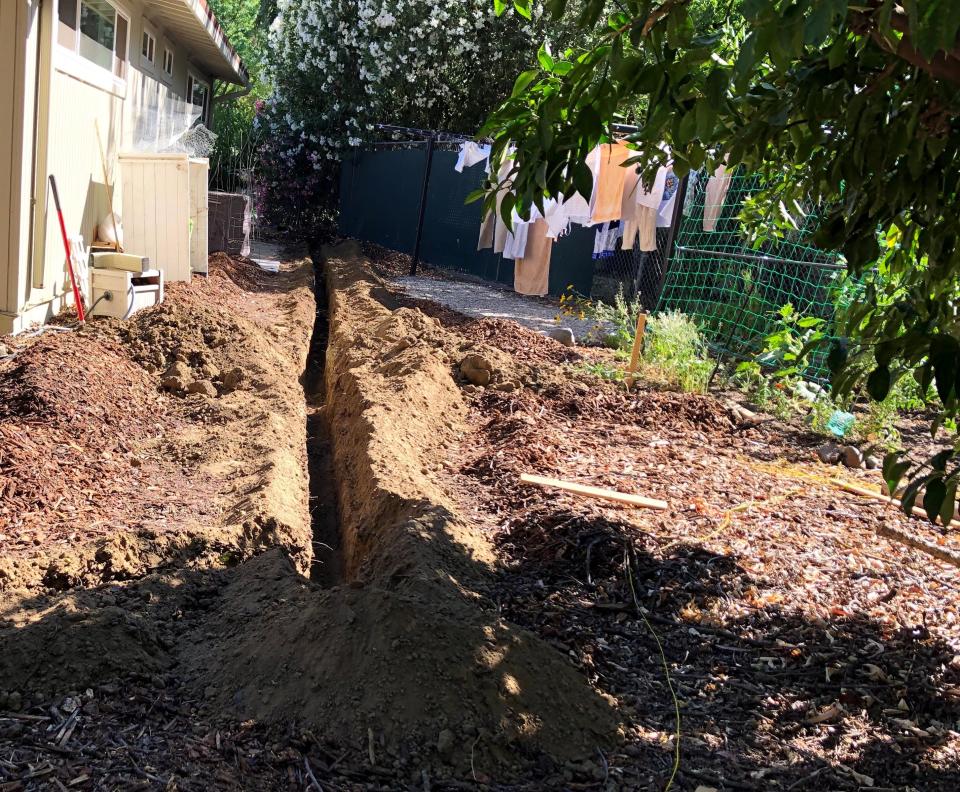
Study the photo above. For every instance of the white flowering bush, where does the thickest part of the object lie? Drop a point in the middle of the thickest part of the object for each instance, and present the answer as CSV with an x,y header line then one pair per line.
x,y
339,67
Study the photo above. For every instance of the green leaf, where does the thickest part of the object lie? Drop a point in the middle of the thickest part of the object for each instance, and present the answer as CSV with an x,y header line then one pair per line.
x,y
499,6
523,8
878,383
894,470
546,61
947,508
944,352
933,498
523,81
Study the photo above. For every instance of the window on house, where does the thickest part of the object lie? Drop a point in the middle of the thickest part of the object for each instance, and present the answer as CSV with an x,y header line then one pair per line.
x,y
168,62
199,94
148,47
96,31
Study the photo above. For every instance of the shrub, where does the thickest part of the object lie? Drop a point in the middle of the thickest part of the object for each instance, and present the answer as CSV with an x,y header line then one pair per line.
x,y
675,352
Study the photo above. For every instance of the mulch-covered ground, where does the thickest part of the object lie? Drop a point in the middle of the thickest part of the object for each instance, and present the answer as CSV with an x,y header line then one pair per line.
x,y
804,650
800,648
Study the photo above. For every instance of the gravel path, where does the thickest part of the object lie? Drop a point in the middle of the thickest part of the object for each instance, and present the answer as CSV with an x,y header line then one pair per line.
x,y
482,301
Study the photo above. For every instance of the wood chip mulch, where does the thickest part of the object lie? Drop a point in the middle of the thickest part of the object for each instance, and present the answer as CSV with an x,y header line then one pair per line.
x,y
806,651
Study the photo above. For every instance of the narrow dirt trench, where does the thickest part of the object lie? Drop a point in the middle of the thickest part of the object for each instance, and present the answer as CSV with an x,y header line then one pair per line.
x,y
326,567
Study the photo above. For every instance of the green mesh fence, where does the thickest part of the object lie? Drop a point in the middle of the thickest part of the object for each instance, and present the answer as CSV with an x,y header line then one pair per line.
x,y
735,291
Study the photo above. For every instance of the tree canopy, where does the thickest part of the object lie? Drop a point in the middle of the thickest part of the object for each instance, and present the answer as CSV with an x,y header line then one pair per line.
x,y
847,109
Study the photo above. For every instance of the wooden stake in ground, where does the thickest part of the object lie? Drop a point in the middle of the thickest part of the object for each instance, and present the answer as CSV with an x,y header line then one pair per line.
x,y
637,346
889,532
595,492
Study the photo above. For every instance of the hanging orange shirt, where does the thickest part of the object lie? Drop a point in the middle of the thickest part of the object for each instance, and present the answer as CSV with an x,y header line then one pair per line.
x,y
608,194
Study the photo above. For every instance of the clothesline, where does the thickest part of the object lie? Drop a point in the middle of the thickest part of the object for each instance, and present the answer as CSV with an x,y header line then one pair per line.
x,y
620,206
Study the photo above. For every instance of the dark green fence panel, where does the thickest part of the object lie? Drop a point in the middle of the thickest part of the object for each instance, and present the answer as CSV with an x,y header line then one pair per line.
x,y
380,200
380,196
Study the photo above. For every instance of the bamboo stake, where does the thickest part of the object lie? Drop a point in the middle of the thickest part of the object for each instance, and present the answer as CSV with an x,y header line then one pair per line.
x,y
106,181
595,492
637,346
866,492
895,534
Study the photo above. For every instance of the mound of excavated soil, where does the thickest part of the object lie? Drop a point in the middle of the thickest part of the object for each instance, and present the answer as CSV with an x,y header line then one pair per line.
x,y
410,657
105,474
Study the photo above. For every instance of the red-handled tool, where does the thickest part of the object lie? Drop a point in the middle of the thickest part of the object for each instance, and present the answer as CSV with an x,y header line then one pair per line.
x,y
66,246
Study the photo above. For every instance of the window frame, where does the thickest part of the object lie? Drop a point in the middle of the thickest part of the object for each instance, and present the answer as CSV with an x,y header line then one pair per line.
x,y
146,32
194,79
167,50
69,60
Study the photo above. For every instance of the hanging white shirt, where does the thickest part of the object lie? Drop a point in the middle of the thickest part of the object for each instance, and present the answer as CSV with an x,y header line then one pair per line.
x,y
653,197
471,153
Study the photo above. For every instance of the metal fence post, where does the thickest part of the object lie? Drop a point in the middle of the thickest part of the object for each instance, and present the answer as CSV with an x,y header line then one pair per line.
x,y
423,206
675,224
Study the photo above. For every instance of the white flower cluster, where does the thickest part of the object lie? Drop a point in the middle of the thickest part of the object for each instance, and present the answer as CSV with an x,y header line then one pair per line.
x,y
338,67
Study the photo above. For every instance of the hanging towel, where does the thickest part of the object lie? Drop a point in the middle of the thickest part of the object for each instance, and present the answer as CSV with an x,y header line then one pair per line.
x,y
531,274
470,154
608,193
715,195
487,228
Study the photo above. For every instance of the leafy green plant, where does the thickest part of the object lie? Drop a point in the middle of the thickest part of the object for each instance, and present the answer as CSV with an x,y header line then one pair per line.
x,y
616,325
603,370
675,353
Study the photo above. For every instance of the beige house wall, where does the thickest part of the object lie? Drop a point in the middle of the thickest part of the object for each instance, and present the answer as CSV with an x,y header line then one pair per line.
x,y
72,100
19,38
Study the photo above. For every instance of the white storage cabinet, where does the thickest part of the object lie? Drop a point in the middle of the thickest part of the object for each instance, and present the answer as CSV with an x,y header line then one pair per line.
x,y
165,214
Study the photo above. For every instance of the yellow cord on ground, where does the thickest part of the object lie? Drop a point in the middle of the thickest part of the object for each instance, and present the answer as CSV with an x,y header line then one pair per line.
x,y
666,671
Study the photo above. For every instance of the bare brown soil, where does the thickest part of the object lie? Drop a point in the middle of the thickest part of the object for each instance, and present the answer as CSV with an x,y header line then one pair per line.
x,y
185,607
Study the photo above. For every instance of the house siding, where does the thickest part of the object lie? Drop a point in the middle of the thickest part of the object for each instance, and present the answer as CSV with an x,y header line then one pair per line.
x,y
76,106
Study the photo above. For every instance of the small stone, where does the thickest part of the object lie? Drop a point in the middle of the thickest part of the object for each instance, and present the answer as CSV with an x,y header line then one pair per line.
x,y
14,701
506,387
563,335
210,371
829,453
180,370
446,742
203,387
477,369
171,383
851,456
233,379
3,350
873,463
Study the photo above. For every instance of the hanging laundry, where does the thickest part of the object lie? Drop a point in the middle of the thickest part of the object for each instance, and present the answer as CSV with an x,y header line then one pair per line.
x,y
608,192
629,208
605,242
471,153
515,245
714,197
487,229
665,210
654,196
647,228
561,213
531,273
